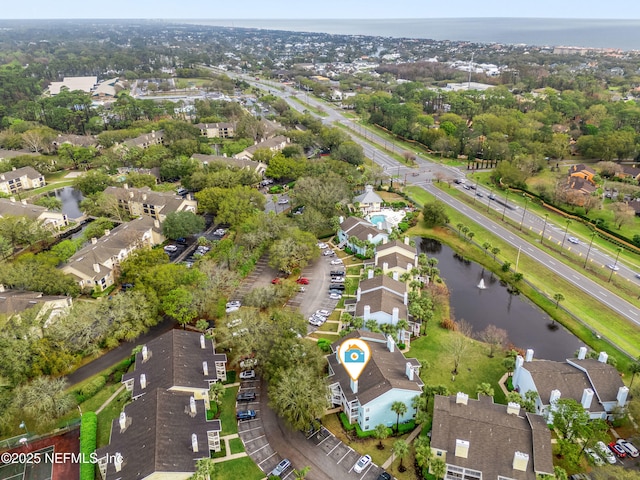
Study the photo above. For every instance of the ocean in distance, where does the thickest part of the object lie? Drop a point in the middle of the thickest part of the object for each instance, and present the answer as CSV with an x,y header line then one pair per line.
x,y
617,34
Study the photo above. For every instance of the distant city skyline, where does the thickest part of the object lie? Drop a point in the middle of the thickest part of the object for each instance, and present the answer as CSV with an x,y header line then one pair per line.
x,y
328,9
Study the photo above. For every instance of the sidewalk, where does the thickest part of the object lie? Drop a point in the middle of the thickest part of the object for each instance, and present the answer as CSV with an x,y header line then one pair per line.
x,y
409,439
229,455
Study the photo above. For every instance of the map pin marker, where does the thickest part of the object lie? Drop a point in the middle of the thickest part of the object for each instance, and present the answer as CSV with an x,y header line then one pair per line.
x,y
354,354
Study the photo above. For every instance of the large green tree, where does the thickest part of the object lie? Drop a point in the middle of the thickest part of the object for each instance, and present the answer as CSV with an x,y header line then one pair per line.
x,y
182,224
434,214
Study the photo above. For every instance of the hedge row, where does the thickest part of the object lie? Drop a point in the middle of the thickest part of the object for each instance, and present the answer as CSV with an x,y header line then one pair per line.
x,y
88,434
359,432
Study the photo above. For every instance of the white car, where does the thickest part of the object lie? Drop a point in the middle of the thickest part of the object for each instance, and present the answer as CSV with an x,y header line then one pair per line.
x,y
322,245
361,464
335,296
234,323
328,253
594,457
232,309
337,261
248,375
573,240
283,201
323,312
234,303
605,452
171,248
613,267
628,447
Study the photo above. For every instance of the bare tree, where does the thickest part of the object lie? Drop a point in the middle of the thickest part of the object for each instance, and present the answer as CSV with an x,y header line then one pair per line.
x,y
622,214
459,343
495,337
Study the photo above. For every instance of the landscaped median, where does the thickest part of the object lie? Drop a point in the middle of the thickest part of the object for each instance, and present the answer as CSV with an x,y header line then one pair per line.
x,y
540,285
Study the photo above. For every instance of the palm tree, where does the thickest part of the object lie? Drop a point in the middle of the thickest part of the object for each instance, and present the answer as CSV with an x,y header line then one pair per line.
x,y
423,451
460,225
301,474
509,364
399,408
486,246
381,432
495,251
372,325
485,389
471,235
634,368
558,297
465,229
216,392
438,468
400,449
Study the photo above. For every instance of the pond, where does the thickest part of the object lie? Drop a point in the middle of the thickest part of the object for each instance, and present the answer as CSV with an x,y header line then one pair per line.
x,y
70,198
526,325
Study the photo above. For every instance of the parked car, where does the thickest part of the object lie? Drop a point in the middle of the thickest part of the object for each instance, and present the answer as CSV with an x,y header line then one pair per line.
x,y
631,450
336,272
322,245
302,289
181,241
234,303
337,279
573,240
384,476
247,375
323,312
126,286
283,201
281,468
362,463
276,281
594,457
171,248
335,296
246,415
604,452
618,450
302,281
230,309
246,397
336,286
329,253
337,261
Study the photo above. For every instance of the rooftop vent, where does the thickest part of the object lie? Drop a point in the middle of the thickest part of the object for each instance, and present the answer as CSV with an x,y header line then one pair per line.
x,y
582,353
603,357
205,369
513,408
202,343
194,442
143,381
462,448
520,461
462,398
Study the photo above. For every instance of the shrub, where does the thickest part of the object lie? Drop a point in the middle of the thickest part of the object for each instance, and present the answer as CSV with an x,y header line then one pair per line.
x,y
324,345
354,426
406,427
449,324
88,435
93,387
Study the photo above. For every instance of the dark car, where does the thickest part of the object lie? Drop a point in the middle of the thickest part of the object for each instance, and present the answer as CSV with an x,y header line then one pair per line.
x,y
337,272
246,397
126,286
246,415
384,476
336,286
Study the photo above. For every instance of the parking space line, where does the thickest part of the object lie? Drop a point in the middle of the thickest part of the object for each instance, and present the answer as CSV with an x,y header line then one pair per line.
x,y
251,429
331,451
267,458
261,448
350,450
254,439
325,439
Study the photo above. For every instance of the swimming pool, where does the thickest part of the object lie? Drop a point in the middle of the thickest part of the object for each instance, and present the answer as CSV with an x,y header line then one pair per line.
x,y
376,219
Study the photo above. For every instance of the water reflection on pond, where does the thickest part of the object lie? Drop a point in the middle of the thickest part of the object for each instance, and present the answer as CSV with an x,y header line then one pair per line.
x,y
526,324
70,198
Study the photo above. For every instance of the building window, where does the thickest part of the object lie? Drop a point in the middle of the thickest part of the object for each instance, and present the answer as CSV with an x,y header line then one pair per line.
x,y
366,419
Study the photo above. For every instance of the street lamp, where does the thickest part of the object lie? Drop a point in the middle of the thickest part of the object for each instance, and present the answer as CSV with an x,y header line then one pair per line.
x,y
526,202
565,233
589,250
506,201
24,425
615,264
546,216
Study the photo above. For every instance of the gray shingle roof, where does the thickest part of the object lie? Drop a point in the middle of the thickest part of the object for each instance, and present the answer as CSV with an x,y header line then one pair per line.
x,y
30,172
165,202
549,375
493,435
604,378
19,209
157,437
386,370
175,360
368,197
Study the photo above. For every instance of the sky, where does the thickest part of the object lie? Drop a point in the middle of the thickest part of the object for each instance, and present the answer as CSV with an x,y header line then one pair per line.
x,y
321,9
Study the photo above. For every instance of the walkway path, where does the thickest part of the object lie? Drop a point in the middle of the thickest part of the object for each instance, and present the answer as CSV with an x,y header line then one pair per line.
x,y
409,439
229,455
110,399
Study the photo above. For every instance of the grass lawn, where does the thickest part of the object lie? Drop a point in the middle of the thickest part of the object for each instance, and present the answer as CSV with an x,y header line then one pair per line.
x,y
583,314
228,411
328,327
236,446
106,416
242,468
221,453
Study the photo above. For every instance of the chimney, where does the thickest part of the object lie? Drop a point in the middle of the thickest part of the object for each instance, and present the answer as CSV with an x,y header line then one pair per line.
x,y
145,353
122,420
520,461
12,199
587,398
406,240
516,370
395,313
358,294
143,381
340,218
603,357
94,240
405,299
144,197
131,194
126,186
194,442
202,342
513,408
529,355
582,353
2,289
367,313
395,275
409,371
384,240
23,201
205,368
391,345
375,258
370,273
370,237
96,267
2,177
462,398
13,169
107,232
409,267
192,404
117,461
462,448
554,396
623,392
156,223
354,385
